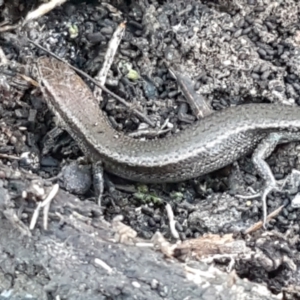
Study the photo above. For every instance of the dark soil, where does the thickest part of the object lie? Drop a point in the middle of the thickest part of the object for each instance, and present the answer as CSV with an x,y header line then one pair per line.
x,y
235,52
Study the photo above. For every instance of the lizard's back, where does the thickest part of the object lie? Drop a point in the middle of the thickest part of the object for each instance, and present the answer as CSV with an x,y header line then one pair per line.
x,y
211,143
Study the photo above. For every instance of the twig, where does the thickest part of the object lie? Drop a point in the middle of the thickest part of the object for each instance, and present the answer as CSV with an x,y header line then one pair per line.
x,y
198,272
2,155
172,222
104,265
11,215
109,57
9,27
35,216
3,59
45,204
197,102
136,112
260,224
42,10
32,15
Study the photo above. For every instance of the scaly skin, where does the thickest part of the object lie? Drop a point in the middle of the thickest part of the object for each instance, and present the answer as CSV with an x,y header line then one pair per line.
x,y
210,144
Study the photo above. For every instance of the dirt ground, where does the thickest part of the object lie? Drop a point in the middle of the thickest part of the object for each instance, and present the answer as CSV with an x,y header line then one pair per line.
x,y
234,52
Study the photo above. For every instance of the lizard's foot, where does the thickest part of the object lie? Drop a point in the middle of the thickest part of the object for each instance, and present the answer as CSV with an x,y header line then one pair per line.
x,y
293,182
263,150
271,186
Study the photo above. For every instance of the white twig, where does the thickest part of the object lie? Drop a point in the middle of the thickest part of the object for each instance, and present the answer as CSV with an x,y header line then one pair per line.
x,y
3,59
11,215
104,265
109,58
46,205
35,216
42,10
172,222
3,155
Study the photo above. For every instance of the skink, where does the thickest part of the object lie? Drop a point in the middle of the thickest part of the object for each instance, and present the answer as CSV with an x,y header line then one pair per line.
x,y
210,144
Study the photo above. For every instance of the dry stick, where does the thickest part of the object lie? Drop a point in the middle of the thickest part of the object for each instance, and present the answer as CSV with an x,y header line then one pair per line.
x,y
3,59
9,27
42,10
259,224
197,102
11,215
3,155
103,264
35,216
172,222
138,113
109,58
46,205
